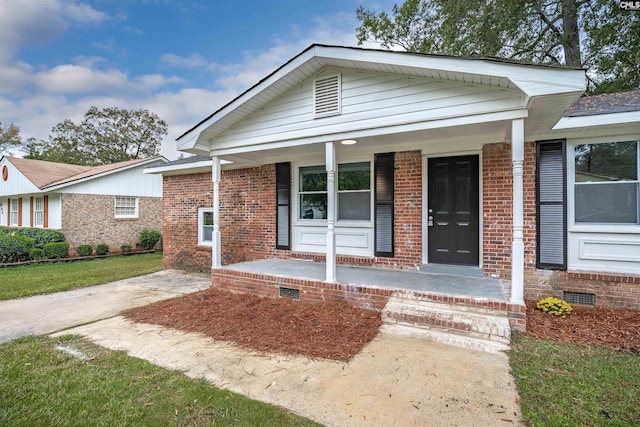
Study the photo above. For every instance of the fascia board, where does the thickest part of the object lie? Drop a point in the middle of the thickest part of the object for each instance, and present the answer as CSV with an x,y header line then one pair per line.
x,y
566,123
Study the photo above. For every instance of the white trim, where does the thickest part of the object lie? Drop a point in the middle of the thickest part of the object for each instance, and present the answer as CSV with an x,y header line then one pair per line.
x,y
216,247
517,245
121,216
184,168
331,166
567,123
201,241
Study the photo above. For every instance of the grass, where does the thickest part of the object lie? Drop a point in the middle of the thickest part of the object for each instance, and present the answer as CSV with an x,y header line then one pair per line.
x,y
40,384
569,385
36,279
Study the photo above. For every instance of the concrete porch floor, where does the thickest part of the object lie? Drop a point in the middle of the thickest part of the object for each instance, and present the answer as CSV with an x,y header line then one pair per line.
x,y
428,282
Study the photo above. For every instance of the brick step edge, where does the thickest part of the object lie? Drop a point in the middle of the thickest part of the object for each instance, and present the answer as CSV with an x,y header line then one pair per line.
x,y
476,325
441,337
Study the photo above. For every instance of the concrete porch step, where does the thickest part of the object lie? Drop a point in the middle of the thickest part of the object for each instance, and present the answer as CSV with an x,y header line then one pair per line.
x,y
461,325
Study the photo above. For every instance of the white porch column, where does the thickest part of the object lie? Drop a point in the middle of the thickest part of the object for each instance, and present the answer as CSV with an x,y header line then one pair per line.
x,y
517,247
331,212
216,252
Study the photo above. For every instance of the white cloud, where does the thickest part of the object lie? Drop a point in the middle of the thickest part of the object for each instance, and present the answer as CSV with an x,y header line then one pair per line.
x,y
37,22
193,61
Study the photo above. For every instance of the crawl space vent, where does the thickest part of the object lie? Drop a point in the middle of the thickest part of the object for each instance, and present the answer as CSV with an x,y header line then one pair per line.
x,y
289,293
579,298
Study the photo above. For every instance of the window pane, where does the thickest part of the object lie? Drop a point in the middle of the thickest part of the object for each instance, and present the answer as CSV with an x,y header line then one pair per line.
x,y
207,233
354,205
313,178
615,161
313,206
207,218
607,203
354,176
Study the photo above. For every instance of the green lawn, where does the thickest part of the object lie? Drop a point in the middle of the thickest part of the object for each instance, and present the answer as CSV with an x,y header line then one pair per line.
x,y
569,385
35,279
43,383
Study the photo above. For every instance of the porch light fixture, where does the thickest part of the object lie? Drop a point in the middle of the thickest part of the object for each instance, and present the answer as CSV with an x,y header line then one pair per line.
x,y
348,141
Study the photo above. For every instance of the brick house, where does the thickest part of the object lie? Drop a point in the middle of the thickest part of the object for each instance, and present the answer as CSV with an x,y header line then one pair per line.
x,y
90,205
408,161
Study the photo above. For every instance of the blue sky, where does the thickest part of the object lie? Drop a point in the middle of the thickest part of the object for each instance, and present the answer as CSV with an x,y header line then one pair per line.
x,y
179,59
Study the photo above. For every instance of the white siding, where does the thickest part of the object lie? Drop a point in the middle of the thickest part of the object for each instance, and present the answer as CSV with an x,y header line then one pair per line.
x,y
132,182
369,100
606,252
356,241
16,183
55,211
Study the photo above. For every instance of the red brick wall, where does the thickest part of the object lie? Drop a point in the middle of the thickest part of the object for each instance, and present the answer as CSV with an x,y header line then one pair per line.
x,y
247,217
182,195
611,290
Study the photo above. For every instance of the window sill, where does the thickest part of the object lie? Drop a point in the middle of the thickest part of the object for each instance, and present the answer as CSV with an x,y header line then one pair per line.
x,y
605,228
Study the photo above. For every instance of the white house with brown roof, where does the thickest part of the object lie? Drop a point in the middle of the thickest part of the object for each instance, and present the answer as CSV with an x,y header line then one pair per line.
x,y
91,205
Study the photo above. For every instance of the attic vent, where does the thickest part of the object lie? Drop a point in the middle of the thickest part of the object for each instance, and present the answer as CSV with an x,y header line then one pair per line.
x,y
326,95
579,298
289,293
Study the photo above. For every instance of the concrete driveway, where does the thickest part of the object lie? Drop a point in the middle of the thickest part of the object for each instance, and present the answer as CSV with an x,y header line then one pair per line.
x,y
44,314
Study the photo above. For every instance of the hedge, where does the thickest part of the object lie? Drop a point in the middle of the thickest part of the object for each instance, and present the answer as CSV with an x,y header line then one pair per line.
x,y
149,238
84,250
56,250
102,249
39,236
14,248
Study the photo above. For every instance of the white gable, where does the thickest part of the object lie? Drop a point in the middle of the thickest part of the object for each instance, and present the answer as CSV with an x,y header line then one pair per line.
x,y
16,182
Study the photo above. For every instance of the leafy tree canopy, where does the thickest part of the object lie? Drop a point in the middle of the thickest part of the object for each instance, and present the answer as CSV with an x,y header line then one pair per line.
x,y
592,34
9,136
102,137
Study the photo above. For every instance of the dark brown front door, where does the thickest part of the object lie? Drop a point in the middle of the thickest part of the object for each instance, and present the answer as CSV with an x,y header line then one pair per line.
x,y
453,210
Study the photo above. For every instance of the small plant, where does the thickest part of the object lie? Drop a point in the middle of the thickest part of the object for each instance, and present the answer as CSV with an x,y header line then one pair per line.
x,y
56,250
14,248
36,254
554,306
102,249
126,249
149,238
84,250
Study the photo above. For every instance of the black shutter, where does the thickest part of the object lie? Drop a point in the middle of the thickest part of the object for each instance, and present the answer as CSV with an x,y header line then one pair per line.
x,y
283,205
384,176
551,205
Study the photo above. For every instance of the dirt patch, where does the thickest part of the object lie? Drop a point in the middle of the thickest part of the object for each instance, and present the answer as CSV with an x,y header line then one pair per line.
x,y
616,330
330,330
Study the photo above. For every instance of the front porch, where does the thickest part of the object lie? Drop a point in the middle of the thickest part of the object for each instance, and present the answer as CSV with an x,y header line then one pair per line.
x,y
459,309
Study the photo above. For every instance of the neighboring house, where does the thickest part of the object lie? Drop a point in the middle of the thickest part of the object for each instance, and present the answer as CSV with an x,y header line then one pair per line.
x,y
90,205
403,160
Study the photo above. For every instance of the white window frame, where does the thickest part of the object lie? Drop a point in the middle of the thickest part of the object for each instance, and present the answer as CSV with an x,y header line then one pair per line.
x,y
38,214
117,206
14,219
343,222
201,239
574,226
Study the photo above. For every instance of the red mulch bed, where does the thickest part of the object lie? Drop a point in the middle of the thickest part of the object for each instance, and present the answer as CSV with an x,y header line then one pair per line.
x,y
617,330
335,330
330,330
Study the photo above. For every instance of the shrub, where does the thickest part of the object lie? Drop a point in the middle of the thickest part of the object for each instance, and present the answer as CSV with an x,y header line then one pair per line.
x,y
39,236
102,249
126,249
36,253
149,238
56,250
14,248
84,250
554,306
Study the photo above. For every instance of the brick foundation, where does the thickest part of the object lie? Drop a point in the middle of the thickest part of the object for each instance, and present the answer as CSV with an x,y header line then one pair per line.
x,y
90,219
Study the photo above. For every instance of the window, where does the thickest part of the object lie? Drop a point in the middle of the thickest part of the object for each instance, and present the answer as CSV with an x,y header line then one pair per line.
x,y
38,212
205,226
606,183
14,206
354,192
126,207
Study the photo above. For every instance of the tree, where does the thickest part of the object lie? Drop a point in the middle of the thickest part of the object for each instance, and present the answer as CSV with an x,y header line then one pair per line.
x,y
102,137
9,136
592,34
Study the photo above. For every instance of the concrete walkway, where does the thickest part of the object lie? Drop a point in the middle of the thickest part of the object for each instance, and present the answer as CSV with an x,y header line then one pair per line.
x,y
395,380
44,314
